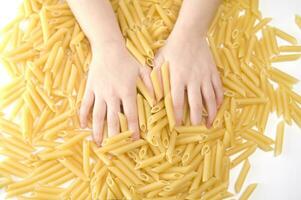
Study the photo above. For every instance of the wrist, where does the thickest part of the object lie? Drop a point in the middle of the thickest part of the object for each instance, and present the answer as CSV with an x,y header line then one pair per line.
x,y
98,44
185,35
192,30
108,47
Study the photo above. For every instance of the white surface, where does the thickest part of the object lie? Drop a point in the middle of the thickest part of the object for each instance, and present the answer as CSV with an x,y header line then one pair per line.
x,y
279,178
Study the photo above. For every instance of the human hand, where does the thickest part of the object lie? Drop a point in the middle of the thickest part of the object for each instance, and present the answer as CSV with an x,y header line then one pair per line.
x,y
191,68
111,84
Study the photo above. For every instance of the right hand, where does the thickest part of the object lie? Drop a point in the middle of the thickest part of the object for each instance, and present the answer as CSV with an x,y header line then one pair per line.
x,y
111,83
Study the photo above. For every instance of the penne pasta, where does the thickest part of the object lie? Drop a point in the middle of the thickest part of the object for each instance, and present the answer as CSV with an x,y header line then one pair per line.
x,y
279,139
47,55
242,176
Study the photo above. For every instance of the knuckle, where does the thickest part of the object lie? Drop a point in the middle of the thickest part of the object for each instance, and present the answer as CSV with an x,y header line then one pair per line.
x,y
129,92
110,92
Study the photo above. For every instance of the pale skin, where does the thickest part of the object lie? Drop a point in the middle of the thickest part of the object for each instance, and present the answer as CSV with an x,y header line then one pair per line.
x,y
114,71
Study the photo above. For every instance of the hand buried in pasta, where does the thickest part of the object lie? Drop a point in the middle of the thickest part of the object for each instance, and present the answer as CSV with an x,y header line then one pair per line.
x,y
111,84
192,68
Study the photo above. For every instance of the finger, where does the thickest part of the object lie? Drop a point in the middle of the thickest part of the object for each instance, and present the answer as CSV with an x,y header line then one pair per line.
x,y
195,103
113,107
210,101
99,112
145,76
218,89
86,105
177,94
158,60
130,111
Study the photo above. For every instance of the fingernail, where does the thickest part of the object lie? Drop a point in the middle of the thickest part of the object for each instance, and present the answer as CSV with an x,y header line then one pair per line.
x,y
136,136
95,139
98,143
208,125
82,124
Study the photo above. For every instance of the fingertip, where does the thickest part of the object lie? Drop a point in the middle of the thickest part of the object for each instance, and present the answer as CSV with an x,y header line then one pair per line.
x,y
210,119
83,121
85,108
208,125
96,138
196,122
136,136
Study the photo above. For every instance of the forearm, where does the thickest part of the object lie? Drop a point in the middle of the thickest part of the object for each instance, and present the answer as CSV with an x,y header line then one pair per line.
x,y
98,21
196,15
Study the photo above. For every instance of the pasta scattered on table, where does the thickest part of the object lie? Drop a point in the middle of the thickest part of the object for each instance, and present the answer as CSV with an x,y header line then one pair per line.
x,y
47,154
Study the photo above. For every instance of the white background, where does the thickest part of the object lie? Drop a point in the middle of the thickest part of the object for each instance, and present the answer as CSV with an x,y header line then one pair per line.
x,y
279,178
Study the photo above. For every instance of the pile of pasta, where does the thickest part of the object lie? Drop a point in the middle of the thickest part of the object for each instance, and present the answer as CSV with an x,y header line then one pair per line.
x,y
48,156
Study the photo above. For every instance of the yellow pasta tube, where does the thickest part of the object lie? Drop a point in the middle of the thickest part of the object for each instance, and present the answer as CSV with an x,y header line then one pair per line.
x,y
251,86
231,85
243,156
123,122
112,146
44,24
150,187
135,52
163,15
285,58
141,113
230,57
150,161
144,91
121,176
69,164
285,36
113,187
206,152
242,176
294,48
171,146
117,138
248,191
250,48
128,147
126,13
170,112
72,79
156,84
279,138
216,190
177,184
165,78
58,61
298,21
74,140
219,159
260,25
86,157
55,154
